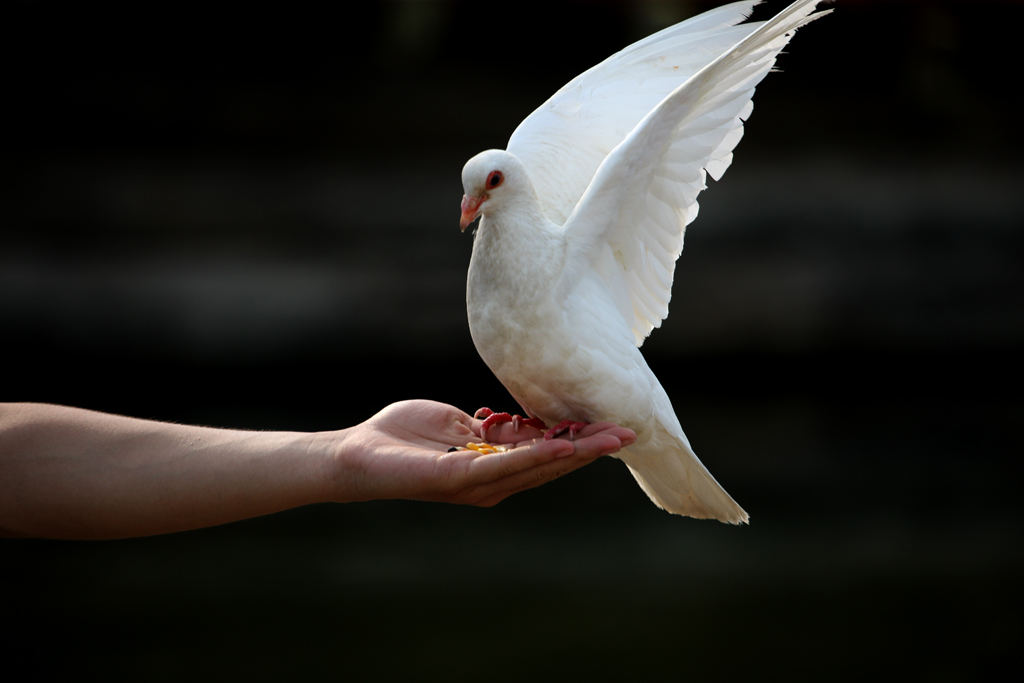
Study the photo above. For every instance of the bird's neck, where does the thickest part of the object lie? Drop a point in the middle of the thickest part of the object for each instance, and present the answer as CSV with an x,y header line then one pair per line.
x,y
517,253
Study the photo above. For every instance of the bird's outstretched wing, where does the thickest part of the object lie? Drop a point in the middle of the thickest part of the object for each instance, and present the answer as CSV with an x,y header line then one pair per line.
x,y
629,223
564,141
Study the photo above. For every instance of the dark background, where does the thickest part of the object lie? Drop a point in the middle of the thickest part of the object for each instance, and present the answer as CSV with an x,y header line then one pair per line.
x,y
227,215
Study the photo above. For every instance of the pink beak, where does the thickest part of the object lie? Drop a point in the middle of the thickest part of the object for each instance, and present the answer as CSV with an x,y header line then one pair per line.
x,y
470,210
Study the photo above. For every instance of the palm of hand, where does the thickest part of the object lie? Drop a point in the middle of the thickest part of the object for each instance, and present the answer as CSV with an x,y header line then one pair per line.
x,y
405,455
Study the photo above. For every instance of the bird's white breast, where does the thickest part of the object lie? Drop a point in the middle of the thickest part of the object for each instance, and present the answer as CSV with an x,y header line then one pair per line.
x,y
561,354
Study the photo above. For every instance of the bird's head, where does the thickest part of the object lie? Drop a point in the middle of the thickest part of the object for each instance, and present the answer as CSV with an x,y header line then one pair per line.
x,y
489,179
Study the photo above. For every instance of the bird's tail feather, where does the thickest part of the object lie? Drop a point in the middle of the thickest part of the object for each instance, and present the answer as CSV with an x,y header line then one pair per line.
x,y
671,475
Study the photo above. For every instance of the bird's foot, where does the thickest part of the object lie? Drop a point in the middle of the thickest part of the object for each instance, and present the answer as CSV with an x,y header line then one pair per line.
x,y
564,426
492,418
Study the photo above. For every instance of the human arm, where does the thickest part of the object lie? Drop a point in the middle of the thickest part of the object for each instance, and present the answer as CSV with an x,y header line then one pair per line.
x,y
72,473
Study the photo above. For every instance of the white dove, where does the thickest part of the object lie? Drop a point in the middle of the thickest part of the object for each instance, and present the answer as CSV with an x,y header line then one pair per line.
x,y
581,223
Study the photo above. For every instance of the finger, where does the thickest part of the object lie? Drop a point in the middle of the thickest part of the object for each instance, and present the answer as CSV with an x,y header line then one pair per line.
x,y
583,451
483,470
505,433
597,445
627,437
623,434
595,427
460,428
495,492
491,467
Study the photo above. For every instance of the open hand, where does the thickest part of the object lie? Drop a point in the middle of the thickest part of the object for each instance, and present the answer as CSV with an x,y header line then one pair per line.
x,y
402,452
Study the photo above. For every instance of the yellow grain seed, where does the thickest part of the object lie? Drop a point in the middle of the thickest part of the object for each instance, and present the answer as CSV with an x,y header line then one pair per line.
x,y
486,448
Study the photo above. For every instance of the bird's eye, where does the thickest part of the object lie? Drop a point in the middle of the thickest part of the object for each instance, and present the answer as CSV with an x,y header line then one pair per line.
x,y
495,178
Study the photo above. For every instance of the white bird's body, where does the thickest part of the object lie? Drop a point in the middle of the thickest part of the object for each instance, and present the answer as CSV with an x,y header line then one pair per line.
x,y
582,221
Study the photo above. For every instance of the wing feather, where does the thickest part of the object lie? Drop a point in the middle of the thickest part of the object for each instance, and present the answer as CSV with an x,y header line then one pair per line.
x,y
644,193
564,141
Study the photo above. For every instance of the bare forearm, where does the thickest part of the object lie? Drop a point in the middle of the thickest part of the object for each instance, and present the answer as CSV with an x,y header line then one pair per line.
x,y
71,473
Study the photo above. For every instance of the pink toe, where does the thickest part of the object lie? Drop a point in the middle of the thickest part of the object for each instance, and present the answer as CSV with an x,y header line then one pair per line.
x,y
493,419
571,426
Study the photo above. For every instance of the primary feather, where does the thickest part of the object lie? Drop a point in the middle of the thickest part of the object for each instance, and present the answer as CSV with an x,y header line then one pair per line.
x,y
574,258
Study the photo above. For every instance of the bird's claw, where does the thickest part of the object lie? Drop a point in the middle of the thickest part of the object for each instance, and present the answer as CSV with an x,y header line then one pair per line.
x,y
492,418
564,426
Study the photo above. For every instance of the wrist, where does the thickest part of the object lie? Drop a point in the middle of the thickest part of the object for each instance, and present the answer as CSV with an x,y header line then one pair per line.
x,y
337,458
